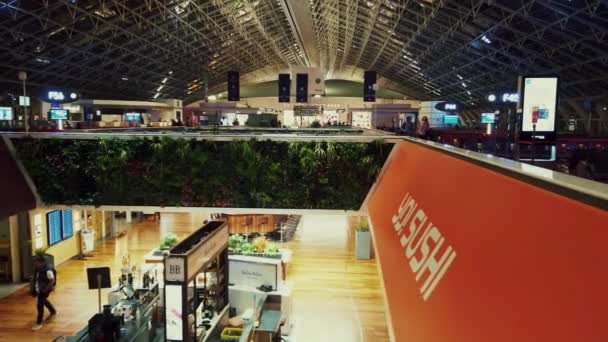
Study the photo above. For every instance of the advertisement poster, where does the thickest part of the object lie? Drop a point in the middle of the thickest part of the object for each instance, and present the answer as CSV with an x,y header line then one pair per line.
x,y
173,310
539,107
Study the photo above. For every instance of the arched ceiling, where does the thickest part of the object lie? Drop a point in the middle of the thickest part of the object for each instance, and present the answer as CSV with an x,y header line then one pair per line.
x,y
426,49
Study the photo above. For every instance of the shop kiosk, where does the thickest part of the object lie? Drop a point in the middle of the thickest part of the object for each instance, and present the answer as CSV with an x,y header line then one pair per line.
x,y
196,285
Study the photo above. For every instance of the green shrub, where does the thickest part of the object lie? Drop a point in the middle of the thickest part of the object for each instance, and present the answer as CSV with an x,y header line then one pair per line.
x,y
191,173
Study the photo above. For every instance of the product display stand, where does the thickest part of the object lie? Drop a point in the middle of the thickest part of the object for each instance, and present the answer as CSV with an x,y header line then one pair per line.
x,y
196,284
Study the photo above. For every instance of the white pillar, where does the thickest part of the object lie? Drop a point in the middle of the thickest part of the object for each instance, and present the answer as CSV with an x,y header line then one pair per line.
x,y
128,214
103,224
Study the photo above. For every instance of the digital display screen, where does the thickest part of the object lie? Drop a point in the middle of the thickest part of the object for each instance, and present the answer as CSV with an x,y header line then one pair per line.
x,y
67,229
450,119
59,114
6,113
53,222
133,117
488,118
540,101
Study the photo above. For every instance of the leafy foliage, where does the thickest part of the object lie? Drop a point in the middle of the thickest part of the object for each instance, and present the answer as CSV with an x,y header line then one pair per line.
x,y
191,173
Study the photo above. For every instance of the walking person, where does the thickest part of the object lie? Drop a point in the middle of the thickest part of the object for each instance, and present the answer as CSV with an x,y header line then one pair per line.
x,y
44,284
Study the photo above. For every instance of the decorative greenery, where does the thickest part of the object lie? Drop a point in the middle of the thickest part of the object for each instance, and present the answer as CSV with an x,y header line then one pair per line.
x,y
40,252
248,248
235,243
260,244
235,122
363,224
271,249
315,124
191,173
168,242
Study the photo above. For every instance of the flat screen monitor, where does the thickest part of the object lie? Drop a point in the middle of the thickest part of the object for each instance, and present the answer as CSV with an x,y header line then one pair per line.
x,y
539,107
136,117
450,119
59,114
6,113
488,118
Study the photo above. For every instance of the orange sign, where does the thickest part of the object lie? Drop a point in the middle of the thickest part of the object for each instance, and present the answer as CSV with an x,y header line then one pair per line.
x,y
471,255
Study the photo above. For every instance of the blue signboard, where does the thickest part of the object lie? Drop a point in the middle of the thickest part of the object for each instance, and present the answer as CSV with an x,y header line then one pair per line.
x,y
53,222
67,230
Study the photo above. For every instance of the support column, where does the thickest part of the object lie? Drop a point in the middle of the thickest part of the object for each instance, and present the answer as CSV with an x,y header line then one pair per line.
x,y
15,253
128,215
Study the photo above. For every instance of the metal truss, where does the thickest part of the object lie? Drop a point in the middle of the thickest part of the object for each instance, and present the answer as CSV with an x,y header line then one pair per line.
x,y
141,48
432,49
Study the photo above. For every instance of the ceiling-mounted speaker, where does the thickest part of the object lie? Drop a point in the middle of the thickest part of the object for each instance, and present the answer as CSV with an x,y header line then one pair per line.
x,y
302,88
369,86
234,91
284,88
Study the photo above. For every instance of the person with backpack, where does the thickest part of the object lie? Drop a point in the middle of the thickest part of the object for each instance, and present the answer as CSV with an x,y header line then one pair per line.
x,y
43,284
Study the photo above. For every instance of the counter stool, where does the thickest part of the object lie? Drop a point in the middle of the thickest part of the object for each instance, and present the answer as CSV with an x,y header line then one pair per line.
x,y
5,266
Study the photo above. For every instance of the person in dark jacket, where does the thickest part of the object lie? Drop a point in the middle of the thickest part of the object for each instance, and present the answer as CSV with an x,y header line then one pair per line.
x,y
44,283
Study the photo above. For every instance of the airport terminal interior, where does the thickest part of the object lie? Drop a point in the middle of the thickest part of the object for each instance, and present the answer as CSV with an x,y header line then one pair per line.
x,y
303,170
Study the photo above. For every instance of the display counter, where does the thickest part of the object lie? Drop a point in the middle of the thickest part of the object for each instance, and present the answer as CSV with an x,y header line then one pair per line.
x,y
144,327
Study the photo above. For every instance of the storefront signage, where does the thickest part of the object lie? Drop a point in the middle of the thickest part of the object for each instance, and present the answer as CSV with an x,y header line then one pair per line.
x,y
252,273
448,106
459,267
61,96
175,269
428,263
510,97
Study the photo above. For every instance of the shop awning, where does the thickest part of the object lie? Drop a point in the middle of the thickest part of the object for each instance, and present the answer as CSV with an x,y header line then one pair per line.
x,y
16,194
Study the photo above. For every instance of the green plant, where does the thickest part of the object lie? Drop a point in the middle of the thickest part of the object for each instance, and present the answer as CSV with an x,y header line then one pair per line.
x,y
248,248
235,243
315,124
190,173
235,122
40,252
271,249
168,242
363,225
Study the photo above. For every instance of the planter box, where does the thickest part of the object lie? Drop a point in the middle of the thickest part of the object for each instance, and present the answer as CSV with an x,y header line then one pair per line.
x,y
363,245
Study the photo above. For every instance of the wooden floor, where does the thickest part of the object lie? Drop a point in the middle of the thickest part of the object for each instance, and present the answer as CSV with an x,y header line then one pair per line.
x,y
335,297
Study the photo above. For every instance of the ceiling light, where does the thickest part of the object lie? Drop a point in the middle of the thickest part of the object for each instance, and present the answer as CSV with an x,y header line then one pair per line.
x,y
171,72
160,88
486,40
156,95
460,77
164,80
125,78
464,84
491,97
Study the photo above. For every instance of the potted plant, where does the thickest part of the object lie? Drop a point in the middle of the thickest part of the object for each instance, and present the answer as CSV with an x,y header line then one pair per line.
x,y
49,259
363,244
166,244
235,243
235,122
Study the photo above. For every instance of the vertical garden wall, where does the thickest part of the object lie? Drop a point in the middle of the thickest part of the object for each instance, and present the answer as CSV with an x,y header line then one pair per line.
x,y
192,173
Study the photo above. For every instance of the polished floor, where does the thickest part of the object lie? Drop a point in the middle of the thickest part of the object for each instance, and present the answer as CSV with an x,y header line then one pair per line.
x,y
336,298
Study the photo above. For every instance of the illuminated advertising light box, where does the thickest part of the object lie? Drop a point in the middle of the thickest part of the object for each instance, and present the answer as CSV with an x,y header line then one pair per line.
x,y
173,313
136,117
539,107
59,114
6,113
450,119
488,118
